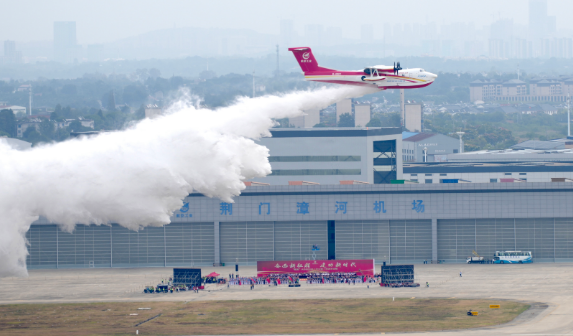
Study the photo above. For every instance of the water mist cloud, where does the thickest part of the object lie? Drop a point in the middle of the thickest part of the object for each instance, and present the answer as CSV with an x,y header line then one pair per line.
x,y
139,176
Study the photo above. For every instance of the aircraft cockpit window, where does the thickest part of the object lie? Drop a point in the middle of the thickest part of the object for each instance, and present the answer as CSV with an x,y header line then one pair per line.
x,y
421,70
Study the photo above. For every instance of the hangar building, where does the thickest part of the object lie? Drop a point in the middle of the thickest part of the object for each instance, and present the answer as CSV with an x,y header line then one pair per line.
x,y
406,223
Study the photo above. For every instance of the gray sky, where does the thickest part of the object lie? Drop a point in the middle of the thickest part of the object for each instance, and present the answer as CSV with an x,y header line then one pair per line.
x,y
108,20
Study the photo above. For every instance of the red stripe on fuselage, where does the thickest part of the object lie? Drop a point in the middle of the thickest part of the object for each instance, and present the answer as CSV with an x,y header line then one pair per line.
x,y
406,87
373,85
345,82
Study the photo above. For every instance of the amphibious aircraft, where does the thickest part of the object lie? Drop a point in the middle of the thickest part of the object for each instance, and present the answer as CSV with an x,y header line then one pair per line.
x,y
382,76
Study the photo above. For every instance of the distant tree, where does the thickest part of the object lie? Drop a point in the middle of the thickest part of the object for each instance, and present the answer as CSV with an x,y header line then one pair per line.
x,y
68,113
176,82
54,116
61,134
33,136
110,102
76,126
374,122
125,109
346,120
70,89
134,95
8,122
154,73
140,112
207,74
391,119
47,128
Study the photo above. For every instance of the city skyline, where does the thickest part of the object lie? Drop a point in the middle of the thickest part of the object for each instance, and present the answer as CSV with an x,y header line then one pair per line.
x,y
531,30
133,18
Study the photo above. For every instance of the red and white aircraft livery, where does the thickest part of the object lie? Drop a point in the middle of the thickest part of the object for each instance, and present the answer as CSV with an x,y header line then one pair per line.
x,y
381,76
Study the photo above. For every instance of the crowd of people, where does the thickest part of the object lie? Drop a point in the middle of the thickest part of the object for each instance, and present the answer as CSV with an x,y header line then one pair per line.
x,y
276,279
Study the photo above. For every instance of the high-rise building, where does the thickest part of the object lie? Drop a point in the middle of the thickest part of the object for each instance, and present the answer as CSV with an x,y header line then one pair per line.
x,y
9,48
333,36
540,24
366,33
537,17
287,33
10,53
65,44
343,107
362,115
313,34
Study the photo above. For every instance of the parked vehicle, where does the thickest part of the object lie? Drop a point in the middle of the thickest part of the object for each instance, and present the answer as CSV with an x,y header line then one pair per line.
x,y
512,257
475,260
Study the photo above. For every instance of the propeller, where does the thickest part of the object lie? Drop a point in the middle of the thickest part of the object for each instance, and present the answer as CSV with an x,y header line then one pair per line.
x,y
397,68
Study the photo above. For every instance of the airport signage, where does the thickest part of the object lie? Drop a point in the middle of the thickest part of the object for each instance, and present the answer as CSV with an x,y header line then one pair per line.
x,y
494,306
360,267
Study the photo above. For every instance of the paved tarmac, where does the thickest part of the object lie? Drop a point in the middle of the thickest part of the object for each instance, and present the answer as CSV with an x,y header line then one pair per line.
x,y
548,287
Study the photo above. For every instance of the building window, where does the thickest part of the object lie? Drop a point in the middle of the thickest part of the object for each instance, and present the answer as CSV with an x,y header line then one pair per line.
x,y
524,179
428,174
443,174
522,173
298,172
325,158
413,174
507,174
428,181
415,180
455,151
493,180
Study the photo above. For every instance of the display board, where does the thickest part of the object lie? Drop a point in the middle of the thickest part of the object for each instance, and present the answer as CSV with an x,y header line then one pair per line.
x,y
397,274
187,276
360,267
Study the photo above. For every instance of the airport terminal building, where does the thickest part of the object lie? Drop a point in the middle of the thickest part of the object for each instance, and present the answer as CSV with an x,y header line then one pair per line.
x,y
331,155
406,223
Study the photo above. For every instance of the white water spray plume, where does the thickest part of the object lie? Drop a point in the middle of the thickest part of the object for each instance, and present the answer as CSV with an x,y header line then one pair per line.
x,y
138,177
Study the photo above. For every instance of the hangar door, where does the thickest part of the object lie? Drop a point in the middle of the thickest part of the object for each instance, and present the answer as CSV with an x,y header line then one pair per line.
x,y
294,240
246,242
410,240
363,240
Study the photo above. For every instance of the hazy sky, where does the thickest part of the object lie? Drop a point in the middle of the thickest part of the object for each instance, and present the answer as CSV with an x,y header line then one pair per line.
x,y
107,20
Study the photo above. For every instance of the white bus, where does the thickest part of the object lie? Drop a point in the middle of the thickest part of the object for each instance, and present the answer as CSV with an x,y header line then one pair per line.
x,y
512,257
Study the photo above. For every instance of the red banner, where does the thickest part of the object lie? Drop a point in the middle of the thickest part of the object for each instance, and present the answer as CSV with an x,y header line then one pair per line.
x,y
360,267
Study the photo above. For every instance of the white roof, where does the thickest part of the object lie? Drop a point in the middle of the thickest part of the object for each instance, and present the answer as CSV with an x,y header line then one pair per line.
x,y
11,107
16,144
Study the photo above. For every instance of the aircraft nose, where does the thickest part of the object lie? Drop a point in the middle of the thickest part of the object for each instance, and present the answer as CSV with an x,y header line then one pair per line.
x,y
433,76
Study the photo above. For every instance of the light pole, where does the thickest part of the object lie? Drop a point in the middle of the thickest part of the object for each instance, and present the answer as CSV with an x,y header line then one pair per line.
x,y
461,141
568,116
425,154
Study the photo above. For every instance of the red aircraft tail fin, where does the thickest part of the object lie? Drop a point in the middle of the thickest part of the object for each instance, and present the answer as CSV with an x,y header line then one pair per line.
x,y
305,59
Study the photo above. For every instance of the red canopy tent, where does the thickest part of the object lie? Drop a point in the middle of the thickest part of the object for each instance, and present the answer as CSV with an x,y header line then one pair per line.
x,y
213,275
